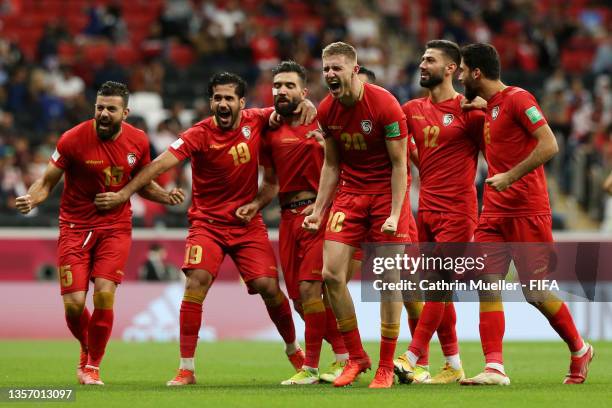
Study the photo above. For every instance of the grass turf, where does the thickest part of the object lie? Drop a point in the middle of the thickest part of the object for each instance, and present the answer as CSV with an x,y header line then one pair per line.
x,y
247,374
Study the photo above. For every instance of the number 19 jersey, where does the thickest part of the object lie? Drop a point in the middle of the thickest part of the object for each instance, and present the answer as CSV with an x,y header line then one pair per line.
x,y
224,165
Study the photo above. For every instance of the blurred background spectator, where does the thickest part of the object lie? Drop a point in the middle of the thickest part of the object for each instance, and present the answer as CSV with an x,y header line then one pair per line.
x,y
54,54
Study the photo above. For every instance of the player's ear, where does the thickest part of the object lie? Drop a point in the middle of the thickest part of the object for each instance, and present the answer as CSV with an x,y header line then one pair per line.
x,y
356,69
304,92
242,103
476,74
126,112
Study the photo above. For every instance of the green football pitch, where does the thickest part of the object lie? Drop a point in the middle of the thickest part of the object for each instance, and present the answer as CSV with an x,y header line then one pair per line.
x,y
247,374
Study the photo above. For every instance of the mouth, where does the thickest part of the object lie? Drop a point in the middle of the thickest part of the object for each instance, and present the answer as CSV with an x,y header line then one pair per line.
x,y
424,75
225,116
334,85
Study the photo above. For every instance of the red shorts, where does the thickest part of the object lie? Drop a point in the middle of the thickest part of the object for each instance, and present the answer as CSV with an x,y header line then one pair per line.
x,y
529,260
84,255
301,252
413,232
356,218
248,246
442,227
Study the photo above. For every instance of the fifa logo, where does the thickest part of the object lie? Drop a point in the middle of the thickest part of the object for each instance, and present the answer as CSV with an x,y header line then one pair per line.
x,y
366,126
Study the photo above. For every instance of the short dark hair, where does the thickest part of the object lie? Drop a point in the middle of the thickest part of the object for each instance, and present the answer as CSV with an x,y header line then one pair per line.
x,y
112,88
227,78
369,73
484,57
290,66
449,48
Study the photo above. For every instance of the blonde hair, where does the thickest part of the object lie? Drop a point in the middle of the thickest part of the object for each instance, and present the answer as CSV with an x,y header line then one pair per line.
x,y
341,48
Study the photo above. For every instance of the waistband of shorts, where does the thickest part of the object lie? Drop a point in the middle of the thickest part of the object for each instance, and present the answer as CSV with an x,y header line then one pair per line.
x,y
297,204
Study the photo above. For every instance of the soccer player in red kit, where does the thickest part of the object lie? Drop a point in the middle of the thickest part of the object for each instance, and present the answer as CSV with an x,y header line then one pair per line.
x,y
517,142
95,156
292,157
224,152
448,141
365,157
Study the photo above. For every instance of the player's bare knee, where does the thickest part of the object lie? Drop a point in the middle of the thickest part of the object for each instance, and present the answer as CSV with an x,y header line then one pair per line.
x,y
104,300
333,279
267,287
310,290
73,307
198,280
104,285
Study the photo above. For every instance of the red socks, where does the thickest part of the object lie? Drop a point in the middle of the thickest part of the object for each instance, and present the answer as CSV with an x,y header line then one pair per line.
x,y
280,314
332,335
446,331
314,318
388,340
492,327
564,325
190,323
352,339
79,326
427,325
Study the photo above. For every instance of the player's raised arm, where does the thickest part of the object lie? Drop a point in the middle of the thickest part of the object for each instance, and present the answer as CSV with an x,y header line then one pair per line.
x,y
399,179
39,191
327,185
544,151
266,193
163,162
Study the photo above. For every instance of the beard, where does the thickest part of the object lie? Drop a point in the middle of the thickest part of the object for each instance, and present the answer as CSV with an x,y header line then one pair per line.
x,y
286,109
232,117
434,80
470,91
107,134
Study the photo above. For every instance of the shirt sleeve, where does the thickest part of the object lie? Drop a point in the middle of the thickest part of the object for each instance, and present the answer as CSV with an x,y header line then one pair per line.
x,y
527,111
411,143
392,118
60,156
187,144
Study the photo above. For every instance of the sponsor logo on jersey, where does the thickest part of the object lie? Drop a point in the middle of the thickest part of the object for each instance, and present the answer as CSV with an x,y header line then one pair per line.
x,y
366,126
246,132
131,158
94,162
495,112
447,119
177,143
533,114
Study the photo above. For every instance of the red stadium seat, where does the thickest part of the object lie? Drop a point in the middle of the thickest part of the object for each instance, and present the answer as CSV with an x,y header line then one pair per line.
x,y
97,54
181,55
127,55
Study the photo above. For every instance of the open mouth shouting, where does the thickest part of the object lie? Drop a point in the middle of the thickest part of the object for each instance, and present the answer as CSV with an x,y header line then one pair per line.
x,y
334,86
224,116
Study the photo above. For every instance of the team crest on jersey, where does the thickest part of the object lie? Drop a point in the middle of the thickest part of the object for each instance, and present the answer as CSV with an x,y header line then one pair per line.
x,y
447,119
246,132
366,126
495,112
131,158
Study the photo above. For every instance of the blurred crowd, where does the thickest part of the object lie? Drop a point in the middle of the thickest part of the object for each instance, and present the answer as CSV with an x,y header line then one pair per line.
x,y
55,53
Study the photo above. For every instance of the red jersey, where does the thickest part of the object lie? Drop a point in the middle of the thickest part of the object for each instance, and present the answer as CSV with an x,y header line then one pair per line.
x,y
296,158
224,165
360,132
512,115
448,140
91,166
